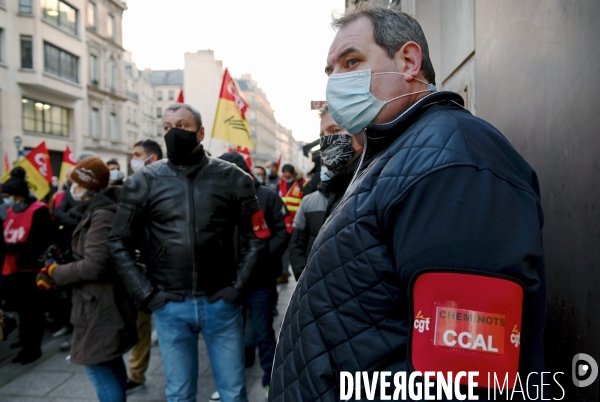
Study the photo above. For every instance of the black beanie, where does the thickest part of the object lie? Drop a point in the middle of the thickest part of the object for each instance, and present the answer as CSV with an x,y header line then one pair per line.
x,y
236,159
16,185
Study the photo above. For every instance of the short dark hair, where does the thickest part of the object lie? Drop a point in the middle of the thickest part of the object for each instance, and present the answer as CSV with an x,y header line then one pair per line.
x,y
113,162
261,168
288,168
151,147
193,110
392,29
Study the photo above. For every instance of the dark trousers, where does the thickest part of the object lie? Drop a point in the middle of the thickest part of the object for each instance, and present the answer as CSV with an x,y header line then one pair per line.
x,y
24,297
259,328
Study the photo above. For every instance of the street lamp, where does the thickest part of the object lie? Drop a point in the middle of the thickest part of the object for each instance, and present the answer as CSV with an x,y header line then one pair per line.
x,y
18,142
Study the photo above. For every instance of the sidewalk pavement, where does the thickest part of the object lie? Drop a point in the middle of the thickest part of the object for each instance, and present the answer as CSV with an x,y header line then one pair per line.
x,y
52,379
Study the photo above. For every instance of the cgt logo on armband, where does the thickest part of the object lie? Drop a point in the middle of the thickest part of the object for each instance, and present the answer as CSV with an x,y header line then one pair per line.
x,y
465,321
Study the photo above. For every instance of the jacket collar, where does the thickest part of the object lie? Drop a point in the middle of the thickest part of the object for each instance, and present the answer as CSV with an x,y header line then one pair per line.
x,y
411,112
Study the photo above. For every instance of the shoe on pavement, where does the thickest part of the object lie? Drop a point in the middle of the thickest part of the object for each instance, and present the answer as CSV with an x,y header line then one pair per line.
x,y
65,346
16,344
132,386
154,338
267,388
27,357
215,397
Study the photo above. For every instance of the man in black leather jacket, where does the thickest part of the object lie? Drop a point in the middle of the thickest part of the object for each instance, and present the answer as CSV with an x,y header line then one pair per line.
x,y
186,209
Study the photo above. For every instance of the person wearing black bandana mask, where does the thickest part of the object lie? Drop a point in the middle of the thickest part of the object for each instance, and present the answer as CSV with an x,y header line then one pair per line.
x,y
339,153
186,208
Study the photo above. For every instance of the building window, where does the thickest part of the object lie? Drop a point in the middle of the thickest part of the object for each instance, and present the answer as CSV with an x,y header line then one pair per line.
x,y
61,14
171,95
112,76
94,70
159,130
26,51
60,63
111,26
158,95
95,123
91,15
113,127
25,6
45,118
159,112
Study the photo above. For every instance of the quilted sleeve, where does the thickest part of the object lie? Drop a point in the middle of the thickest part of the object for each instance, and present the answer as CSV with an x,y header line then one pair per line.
x,y
462,217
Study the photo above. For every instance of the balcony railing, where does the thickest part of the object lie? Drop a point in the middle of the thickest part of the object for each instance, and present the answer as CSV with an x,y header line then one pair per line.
x,y
132,95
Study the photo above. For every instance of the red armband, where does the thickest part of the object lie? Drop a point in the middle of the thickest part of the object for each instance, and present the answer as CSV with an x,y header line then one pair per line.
x,y
466,321
259,225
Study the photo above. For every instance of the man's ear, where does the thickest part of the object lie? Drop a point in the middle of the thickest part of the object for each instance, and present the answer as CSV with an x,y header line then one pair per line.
x,y
200,135
409,58
153,158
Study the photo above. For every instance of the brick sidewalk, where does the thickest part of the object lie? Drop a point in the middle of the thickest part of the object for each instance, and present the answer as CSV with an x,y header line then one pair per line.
x,y
52,379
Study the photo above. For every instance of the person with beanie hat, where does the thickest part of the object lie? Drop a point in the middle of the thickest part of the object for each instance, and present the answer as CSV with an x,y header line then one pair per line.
x,y
28,232
103,315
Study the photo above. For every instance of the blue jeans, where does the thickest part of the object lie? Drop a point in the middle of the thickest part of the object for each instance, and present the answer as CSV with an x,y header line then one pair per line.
x,y
259,328
109,380
178,325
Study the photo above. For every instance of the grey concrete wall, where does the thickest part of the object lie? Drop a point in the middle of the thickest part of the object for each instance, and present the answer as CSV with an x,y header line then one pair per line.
x,y
536,72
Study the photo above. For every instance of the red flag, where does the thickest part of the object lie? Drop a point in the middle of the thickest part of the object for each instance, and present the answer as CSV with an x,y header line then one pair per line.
x,y
230,149
67,162
180,97
6,163
278,163
245,152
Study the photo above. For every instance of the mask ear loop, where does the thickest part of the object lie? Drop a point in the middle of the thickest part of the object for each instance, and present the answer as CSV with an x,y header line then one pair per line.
x,y
430,87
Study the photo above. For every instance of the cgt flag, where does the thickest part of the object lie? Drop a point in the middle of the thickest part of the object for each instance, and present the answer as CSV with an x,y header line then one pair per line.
x,y
230,120
38,169
67,162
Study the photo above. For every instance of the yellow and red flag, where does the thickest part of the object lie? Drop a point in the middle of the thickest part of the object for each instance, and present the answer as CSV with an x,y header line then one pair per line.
x,y
230,120
180,97
38,169
67,162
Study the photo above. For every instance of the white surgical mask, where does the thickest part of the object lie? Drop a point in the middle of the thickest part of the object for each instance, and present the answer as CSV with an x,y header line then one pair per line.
x,y
116,175
269,172
351,103
76,196
138,164
324,174
9,200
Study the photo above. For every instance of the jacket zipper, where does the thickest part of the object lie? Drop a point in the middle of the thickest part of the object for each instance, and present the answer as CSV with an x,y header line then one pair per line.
x,y
192,234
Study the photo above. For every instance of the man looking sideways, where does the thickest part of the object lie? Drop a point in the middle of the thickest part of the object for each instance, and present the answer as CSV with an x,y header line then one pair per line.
x,y
442,213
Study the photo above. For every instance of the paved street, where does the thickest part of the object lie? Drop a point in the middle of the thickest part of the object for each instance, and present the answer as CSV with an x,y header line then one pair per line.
x,y
52,379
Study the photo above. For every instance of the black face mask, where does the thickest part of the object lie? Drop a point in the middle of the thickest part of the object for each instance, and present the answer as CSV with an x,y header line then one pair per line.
x,y
180,145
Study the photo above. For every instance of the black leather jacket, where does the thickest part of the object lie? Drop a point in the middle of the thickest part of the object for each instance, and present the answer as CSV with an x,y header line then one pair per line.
x,y
186,218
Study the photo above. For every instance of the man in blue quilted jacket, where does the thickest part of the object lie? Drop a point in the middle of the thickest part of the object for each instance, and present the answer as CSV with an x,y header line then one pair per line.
x,y
433,260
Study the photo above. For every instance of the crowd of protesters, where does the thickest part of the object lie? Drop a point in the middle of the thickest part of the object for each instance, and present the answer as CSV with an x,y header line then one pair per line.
x,y
104,260
193,243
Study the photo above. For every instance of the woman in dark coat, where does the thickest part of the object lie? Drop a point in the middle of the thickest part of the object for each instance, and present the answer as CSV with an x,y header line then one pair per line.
x,y
103,316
